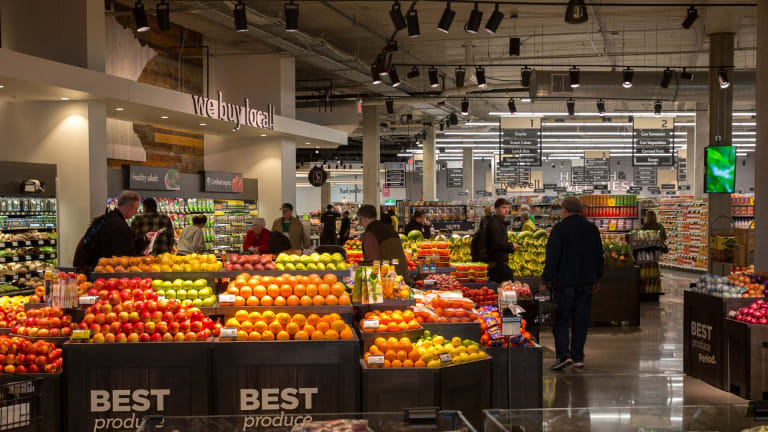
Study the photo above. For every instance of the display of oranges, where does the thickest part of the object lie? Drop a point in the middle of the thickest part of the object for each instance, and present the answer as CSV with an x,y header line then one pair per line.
x,y
389,321
282,326
428,351
288,290
161,263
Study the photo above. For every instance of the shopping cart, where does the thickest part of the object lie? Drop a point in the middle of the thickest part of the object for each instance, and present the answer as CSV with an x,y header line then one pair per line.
x,y
19,402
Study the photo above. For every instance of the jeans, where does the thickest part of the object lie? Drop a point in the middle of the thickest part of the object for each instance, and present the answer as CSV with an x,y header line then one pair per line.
x,y
500,273
574,305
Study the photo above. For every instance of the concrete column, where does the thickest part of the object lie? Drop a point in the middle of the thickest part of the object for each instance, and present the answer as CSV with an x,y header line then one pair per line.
x,y
97,156
697,152
325,196
371,156
430,171
761,151
720,132
468,166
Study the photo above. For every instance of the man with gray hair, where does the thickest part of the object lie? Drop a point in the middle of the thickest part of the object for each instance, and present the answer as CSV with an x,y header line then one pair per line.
x,y
573,268
257,238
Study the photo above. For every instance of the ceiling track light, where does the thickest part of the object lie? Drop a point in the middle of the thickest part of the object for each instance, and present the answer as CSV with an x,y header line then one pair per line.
x,y
627,77
383,63
525,76
241,20
163,12
475,17
414,73
434,79
722,77
375,77
390,104
447,18
465,106
396,15
460,74
657,108
571,104
494,21
574,75
686,75
291,17
511,106
140,17
601,107
394,78
690,17
480,75
453,119
576,12
514,47
413,23
666,78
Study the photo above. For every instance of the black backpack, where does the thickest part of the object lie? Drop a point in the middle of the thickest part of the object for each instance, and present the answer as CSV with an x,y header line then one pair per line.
x,y
86,253
278,242
479,245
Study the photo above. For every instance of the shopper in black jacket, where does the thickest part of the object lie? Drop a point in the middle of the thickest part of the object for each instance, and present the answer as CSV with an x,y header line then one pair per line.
x,y
420,223
573,268
116,237
344,229
498,244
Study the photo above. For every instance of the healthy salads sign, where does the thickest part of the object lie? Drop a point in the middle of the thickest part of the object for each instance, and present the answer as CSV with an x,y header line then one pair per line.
x,y
153,178
237,114
219,181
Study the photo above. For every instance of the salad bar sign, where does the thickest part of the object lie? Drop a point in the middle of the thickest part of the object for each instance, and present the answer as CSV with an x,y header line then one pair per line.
x,y
219,181
653,142
153,178
521,141
237,114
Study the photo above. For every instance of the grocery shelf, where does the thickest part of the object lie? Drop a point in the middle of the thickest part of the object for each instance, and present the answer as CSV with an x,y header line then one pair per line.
x,y
23,258
14,244
682,267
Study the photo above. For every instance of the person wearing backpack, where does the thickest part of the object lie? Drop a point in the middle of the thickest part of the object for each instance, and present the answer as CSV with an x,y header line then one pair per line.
x,y
498,245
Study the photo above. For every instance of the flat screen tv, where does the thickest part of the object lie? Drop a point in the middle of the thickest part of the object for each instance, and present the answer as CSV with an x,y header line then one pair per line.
x,y
721,169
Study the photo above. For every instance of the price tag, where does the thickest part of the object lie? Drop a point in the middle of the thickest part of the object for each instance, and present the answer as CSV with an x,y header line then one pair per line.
x,y
88,300
429,283
612,202
27,243
41,257
15,258
445,358
375,360
612,226
81,334
161,297
226,298
15,244
370,324
510,325
228,332
752,201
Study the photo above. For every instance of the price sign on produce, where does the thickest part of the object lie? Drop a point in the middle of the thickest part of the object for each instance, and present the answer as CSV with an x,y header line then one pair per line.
x,y
81,334
370,324
510,325
375,360
445,358
88,300
228,332
226,298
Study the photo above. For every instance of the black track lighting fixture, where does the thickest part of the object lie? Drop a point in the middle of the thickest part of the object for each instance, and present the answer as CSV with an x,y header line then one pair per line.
x,y
384,63
494,21
447,18
514,46
453,119
396,15
627,77
574,74
291,17
375,77
601,107
473,24
393,77
525,76
163,12
571,104
511,106
722,77
666,78
414,73
390,104
576,12
690,17
140,17
480,75
686,75
241,20
434,79
657,108
442,126
465,106
413,23
460,74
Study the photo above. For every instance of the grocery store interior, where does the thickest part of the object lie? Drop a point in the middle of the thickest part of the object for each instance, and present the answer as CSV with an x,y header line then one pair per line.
x,y
261,294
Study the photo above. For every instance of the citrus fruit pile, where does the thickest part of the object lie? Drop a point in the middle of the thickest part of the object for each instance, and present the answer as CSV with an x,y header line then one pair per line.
x,y
425,352
389,321
490,324
288,290
162,263
269,326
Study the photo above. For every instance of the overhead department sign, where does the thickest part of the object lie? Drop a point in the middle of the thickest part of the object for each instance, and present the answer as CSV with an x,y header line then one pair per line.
x,y
238,114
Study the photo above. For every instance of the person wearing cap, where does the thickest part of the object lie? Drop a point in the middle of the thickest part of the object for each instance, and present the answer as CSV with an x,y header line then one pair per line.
x,y
328,224
257,238
291,227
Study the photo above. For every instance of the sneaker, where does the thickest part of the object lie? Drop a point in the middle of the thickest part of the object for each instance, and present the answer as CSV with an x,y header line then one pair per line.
x,y
578,364
561,363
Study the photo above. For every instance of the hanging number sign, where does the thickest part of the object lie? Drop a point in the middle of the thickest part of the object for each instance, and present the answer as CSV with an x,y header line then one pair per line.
x,y
317,176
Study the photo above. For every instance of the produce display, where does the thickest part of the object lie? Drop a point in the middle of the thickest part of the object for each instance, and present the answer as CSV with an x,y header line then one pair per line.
x,y
481,296
437,250
314,261
354,250
529,260
32,235
44,322
389,321
617,254
18,355
23,275
447,306
723,286
287,290
685,221
376,283
270,326
748,270
12,310
522,290
235,262
441,282
470,272
190,293
460,248
428,351
490,323
754,285
756,313
161,263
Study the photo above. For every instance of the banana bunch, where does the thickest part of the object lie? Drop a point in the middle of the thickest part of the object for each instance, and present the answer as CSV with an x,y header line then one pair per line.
x,y
460,248
529,260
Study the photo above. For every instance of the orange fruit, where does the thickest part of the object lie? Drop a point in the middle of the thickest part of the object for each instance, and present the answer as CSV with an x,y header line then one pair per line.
x,y
402,355
260,326
387,364
232,323
311,290
309,329
397,364
300,320
300,290
280,301
275,327
254,336
232,289
337,289
279,280
344,300
286,290
292,300
413,324
380,342
338,325
273,290
252,301
414,356
268,316
403,326
241,336
291,280
393,344
313,319
406,345
333,317
390,355
331,300
408,315
266,280
419,363
393,327
397,317
283,318
239,301
266,301
375,350
254,317
407,364
241,315
267,335
246,291
347,334
246,326
323,289
253,281
318,300
259,291
239,282
317,280
322,326
384,318
318,335
301,335
306,300
283,335
330,278
292,328
331,334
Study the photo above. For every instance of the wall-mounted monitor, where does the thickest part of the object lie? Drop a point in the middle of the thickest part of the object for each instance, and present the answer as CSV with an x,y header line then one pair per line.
x,y
720,169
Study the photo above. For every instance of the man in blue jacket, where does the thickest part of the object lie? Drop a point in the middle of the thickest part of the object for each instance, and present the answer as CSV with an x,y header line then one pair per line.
x,y
573,269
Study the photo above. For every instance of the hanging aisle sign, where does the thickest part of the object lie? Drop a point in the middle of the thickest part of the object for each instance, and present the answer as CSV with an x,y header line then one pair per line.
x,y
646,176
395,178
520,141
455,177
653,141
237,114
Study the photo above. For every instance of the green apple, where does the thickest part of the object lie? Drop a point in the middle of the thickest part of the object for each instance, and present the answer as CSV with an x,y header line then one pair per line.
x,y
188,285
204,292
157,284
341,266
305,259
295,258
326,258
167,285
311,266
290,266
197,302
300,266
178,284
160,293
192,294
186,303
170,294
280,266
320,266
200,284
209,301
181,294
281,258
337,257
330,266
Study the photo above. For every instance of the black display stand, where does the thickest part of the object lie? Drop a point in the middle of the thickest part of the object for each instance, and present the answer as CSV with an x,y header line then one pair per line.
x,y
517,381
746,356
704,355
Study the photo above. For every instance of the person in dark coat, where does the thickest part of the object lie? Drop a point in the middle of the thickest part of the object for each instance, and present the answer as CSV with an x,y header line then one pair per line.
x,y
328,221
381,242
116,237
344,229
419,222
573,269
498,244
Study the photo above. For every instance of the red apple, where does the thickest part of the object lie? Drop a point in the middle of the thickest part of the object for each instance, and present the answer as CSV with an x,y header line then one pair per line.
x,y
161,327
106,308
138,294
99,283
111,317
115,327
146,284
55,332
133,338
173,327
89,318
138,327
174,306
179,337
101,318
144,337
157,316
146,316
54,322
66,331
149,327
126,328
126,295
190,337
167,337
208,323
123,317
180,316
201,337
156,337
196,326
168,316
121,338
184,327
111,284
134,317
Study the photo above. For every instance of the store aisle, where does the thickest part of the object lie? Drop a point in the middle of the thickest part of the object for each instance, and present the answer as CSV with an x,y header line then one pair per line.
x,y
633,367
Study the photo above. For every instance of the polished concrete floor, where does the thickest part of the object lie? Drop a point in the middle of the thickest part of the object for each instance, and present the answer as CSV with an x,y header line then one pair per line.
x,y
627,367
